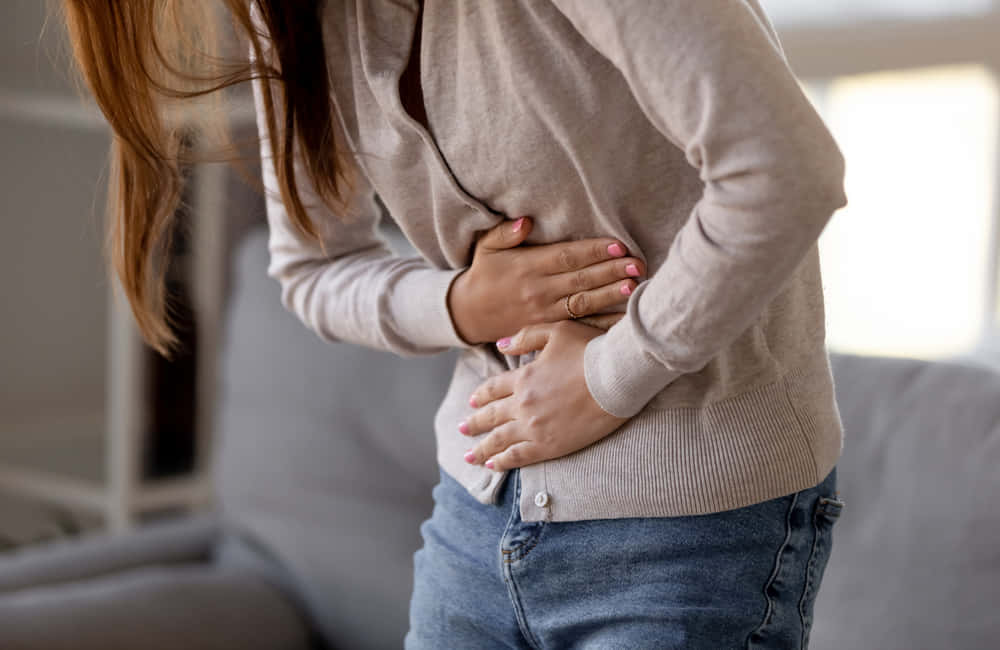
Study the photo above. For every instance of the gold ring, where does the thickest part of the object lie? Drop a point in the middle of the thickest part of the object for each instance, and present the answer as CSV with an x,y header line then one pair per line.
x,y
570,311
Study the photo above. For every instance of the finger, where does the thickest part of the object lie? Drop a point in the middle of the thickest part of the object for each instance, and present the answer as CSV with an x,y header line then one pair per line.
x,y
519,454
494,388
595,276
499,439
528,338
564,257
506,234
596,300
492,415
602,321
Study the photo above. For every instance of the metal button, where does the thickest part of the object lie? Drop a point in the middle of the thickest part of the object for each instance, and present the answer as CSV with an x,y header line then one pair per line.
x,y
542,499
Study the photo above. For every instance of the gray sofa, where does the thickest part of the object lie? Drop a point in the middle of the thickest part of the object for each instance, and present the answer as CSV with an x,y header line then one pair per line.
x,y
325,464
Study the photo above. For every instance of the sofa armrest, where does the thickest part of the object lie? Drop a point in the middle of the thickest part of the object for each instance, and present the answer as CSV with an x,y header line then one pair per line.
x,y
191,539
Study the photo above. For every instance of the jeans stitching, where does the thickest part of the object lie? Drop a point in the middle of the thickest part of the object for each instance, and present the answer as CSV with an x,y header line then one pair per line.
x,y
836,503
774,572
519,551
807,591
505,568
810,590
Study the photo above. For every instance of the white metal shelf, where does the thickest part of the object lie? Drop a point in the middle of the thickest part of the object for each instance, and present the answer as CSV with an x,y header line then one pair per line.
x,y
121,495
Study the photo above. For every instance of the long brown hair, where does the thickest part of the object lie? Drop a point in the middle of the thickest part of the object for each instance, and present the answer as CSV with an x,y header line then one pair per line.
x,y
139,58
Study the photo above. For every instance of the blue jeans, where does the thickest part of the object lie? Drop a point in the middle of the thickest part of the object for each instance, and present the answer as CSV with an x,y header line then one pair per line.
x,y
743,578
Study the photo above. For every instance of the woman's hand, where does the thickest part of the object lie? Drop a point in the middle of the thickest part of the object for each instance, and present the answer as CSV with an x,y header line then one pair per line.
x,y
543,409
509,286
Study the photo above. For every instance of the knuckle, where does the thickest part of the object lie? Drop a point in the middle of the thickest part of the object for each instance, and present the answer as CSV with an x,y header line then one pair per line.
x,y
579,282
489,446
529,397
566,259
599,250
515,456
580,303
527,293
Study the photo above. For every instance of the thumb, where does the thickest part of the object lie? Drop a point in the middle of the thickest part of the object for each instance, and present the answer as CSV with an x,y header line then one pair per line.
x,y
506,234
528,338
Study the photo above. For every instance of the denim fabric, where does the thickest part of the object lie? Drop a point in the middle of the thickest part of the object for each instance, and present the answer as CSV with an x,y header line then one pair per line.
x,y
743,578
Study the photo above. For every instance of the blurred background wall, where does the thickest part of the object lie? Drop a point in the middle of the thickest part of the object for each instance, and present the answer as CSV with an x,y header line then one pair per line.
x,y
908,87
54,330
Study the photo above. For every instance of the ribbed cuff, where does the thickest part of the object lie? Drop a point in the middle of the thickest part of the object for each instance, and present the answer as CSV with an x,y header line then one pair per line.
x,y
423,306
620,375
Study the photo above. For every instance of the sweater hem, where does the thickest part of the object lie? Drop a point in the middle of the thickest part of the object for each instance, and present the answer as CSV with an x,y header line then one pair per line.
x,y
762,444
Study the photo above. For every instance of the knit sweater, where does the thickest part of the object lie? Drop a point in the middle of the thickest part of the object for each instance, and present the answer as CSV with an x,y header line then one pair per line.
x,y
676,127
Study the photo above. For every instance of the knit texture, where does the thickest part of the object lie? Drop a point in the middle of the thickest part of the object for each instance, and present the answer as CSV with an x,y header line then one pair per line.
x,y
677,127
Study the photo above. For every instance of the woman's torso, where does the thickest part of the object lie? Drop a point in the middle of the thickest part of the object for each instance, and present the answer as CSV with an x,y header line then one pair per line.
x,y
523,117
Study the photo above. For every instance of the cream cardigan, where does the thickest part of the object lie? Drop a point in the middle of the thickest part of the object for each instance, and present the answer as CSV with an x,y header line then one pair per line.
x,y
675,126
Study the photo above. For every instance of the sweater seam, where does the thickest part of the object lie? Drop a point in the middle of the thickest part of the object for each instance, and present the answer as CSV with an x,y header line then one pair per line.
x,y
802,429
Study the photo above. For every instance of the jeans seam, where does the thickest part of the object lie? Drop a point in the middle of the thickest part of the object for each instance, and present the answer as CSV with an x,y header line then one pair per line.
x,y
505,568
518,552
809,590
776,570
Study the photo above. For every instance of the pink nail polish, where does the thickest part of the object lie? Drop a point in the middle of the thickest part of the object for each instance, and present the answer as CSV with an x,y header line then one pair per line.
x,y
489,463
504,342
616,250
472,402
517,224
470,456
631,269
626,291
464,427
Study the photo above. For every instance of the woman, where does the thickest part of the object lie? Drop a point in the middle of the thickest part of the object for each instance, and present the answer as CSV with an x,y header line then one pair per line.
x,y
662,475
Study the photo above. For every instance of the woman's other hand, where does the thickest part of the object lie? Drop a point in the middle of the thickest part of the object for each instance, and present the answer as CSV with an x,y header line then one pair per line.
x,y
542,410
509,286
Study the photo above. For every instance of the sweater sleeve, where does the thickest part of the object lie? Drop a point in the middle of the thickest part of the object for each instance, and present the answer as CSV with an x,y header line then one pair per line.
x,y
359,292
711,76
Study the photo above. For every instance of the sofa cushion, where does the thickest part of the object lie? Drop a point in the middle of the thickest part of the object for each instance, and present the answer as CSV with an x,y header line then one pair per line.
x,y
325,456
916,552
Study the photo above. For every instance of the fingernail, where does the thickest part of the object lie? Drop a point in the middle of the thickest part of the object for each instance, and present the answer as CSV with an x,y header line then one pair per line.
x,y
489,463
464,427
626,290
616,250
517,224
504,342
472,402
470,456
632,269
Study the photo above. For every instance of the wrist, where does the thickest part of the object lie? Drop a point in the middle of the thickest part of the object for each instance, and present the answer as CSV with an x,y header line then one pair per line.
x,y
460,308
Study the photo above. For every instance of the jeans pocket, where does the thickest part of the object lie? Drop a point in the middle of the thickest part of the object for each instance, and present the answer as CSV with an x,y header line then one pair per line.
x,y
826,512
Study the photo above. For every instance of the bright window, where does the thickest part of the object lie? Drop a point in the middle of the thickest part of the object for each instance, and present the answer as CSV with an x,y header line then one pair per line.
x,y
799,12
906,263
